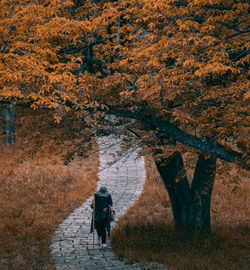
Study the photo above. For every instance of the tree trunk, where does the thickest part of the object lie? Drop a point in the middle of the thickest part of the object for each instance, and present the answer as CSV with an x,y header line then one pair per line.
x,y
8,112
190,205
201,189
175,180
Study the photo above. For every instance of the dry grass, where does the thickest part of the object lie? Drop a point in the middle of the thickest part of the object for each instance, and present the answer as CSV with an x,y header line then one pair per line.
x,y
37,191
146,232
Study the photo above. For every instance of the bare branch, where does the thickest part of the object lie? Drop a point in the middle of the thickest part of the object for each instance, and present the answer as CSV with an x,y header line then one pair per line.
x,y
219,7
247,30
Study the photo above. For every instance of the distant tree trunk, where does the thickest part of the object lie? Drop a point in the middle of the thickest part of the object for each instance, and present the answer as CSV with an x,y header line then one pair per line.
x,y
190,205
8,113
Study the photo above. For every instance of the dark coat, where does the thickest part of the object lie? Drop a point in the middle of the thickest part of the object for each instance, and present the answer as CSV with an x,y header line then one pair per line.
x,y
101,203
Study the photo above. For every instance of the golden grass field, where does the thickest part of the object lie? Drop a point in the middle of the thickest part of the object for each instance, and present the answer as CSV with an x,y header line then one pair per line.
x,y
37,191
146,232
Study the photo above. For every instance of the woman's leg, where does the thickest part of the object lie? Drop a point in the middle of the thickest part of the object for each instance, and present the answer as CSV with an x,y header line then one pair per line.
x,y
98,228
103,231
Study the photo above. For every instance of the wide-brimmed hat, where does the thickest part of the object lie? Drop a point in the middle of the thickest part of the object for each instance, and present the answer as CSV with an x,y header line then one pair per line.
x,y
103,192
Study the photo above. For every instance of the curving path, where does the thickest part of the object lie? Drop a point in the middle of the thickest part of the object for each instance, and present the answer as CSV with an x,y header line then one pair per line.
x,y
72,245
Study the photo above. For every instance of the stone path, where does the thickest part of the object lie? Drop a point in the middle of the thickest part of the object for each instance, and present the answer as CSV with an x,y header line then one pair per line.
x,y
71,246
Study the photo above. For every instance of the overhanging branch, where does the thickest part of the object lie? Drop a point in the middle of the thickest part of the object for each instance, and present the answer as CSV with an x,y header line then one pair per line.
x,y
238,33
181,136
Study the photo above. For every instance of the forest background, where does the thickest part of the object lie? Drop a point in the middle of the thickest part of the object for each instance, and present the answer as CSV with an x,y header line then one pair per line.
x,y
174,74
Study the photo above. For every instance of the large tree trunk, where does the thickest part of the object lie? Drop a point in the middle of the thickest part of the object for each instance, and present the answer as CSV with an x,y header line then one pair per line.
x,y
175,180
190,205
201,189
8,114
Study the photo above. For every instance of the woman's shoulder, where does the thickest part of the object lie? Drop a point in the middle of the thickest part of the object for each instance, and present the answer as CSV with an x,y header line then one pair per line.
x,y
98,197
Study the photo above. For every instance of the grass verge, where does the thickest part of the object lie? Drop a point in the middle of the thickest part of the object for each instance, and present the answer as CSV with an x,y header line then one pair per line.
x,y
146,232
38,190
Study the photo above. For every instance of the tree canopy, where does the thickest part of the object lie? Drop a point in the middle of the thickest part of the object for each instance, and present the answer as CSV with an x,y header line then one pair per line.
x,y
177,67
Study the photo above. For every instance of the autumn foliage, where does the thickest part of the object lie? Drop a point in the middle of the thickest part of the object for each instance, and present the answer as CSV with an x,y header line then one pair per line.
x,y
173,72
185,61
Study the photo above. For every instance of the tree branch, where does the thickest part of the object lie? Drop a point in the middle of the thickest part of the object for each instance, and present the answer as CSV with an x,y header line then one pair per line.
x,y
74,49
181,136
237,56
71,49
238,33
219,7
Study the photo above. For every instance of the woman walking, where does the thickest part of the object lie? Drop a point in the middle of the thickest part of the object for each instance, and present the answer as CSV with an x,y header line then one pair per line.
x,y
102,201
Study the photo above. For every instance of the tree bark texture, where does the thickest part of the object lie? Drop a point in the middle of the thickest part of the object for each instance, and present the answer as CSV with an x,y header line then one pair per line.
x,y
201,189
190,204
8,114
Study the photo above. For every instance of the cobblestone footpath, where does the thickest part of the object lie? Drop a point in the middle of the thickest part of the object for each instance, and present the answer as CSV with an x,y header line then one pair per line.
x,y
72,244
